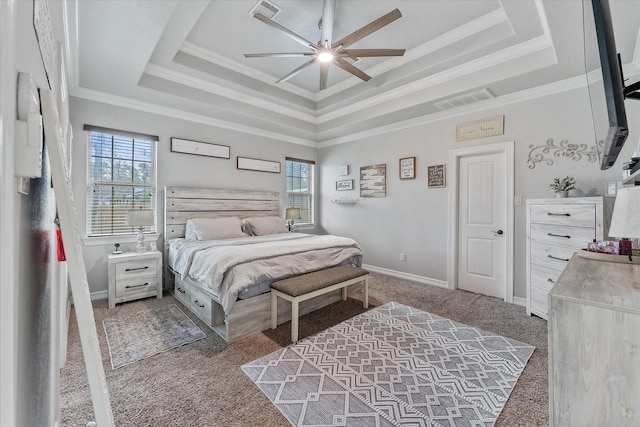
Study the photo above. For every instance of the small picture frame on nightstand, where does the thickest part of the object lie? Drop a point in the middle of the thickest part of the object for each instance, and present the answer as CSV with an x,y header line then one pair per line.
x,y
611,189
153,246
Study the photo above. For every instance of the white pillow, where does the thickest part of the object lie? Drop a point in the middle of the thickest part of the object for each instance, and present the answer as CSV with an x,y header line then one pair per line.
x,y
213,228
262,225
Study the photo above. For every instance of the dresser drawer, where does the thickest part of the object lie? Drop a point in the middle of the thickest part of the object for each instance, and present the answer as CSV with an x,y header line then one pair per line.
x,y
573,237
201,304
572,215
538,298
182,292
136,287
553,257
136,268
543,278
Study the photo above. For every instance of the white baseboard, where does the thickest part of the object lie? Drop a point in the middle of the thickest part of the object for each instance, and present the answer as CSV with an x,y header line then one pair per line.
x,y
99,295
407,276
520,301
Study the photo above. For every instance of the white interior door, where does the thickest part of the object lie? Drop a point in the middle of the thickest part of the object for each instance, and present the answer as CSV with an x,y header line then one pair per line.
x,y
482,239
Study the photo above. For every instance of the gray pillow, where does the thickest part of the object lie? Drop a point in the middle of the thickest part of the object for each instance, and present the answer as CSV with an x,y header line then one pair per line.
x,y
263,225
213,228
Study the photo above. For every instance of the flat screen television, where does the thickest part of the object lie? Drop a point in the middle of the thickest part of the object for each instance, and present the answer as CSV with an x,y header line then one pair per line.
x,y
613,82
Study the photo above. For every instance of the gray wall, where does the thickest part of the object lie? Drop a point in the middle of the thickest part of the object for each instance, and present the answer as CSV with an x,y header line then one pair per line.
x,y
412,219
174,169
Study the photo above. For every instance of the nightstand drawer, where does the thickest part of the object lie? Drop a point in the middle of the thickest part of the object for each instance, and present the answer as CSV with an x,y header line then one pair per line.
x,y
136,287
136,268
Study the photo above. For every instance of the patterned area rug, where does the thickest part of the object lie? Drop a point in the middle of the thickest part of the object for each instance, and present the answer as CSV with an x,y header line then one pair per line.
x,y
393,365
137,336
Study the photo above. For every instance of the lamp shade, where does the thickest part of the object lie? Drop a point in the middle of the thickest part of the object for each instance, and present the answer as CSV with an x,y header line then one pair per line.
x,y
140,217
292,213
625,221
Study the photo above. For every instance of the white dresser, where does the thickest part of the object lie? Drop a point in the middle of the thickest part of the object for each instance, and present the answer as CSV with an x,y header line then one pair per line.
x,y
134,275
556,228
594,345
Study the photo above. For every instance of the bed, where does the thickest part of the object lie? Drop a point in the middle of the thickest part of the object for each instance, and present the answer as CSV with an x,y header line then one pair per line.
x,y
224,276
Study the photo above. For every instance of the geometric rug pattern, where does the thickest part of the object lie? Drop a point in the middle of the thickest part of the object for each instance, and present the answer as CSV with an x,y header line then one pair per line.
x,y
393,365
133,337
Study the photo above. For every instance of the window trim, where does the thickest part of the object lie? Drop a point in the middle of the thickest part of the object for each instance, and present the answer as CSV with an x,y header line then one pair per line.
x,y
312,224
121,237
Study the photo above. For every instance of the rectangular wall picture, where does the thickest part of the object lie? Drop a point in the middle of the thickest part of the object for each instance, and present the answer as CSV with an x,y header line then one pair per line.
x,y
435,176
179,145
373,181
345,184
408,168
258,165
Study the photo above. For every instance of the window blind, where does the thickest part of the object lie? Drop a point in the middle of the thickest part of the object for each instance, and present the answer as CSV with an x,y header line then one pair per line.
x,y
300,187
121,177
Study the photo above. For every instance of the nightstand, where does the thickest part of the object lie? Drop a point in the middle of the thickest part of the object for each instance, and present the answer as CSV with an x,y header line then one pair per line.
x,y
134,275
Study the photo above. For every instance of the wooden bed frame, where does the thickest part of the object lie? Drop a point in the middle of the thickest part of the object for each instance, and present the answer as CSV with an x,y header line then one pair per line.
x,y
249,316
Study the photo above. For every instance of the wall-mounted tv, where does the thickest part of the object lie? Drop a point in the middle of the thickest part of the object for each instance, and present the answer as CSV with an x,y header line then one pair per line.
x,y
613,81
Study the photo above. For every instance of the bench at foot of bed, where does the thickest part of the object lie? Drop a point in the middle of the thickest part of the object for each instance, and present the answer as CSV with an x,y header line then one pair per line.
x,y
301,288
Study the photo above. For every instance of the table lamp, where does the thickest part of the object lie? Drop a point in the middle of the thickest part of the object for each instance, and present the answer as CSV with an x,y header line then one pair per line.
x,y
139,218
290,215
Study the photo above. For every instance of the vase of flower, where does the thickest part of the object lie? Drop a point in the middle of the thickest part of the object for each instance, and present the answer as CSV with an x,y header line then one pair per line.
x,y
561,186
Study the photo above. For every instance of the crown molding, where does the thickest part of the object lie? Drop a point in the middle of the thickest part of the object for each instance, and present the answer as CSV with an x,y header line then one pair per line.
x,y
147,107
522,96
224,91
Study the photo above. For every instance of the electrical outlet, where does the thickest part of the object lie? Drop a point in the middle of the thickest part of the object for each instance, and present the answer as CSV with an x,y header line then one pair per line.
x,y
517,200
403,257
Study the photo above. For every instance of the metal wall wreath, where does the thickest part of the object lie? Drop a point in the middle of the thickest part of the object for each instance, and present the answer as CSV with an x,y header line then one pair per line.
x,y
563,149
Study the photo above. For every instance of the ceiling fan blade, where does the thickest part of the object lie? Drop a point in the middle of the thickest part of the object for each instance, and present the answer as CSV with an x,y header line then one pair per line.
x,y
286,31
351,69
324,75
368,29
327,22
297,70
364,53
279,55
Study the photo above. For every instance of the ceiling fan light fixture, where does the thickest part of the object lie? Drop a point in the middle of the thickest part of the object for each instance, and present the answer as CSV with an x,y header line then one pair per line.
x,y
325,56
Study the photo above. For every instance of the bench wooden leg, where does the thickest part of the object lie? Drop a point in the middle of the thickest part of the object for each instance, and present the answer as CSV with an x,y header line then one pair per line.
x,y
344,293
274,310
365,291
294,321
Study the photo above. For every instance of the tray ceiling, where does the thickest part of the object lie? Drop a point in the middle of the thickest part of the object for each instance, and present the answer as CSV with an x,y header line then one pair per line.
x,y
186,58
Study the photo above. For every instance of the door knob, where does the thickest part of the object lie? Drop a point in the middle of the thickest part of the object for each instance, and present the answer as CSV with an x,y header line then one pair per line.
x,y
498,233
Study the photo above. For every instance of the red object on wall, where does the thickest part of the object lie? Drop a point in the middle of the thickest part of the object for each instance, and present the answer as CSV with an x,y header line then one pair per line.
x,y
59,246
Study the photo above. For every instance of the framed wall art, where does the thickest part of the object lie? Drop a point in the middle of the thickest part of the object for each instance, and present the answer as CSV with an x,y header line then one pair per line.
x,y
408,168
179,145
345,184
343,170
248,163
373,181
436,176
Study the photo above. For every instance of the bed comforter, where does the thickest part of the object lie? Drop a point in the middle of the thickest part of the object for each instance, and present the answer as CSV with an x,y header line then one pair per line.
x,y
230,266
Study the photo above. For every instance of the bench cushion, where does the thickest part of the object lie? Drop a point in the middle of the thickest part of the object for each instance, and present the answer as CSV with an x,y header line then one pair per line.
x,y
305,283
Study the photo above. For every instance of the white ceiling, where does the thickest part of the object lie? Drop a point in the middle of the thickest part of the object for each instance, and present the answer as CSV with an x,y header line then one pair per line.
x,y
185,59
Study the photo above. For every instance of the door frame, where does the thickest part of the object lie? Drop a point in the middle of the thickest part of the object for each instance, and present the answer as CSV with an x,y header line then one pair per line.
x,y
506,148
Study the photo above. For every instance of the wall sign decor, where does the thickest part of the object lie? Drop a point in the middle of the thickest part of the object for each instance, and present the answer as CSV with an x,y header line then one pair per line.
x,y
436,176
343,170
345,184
179,145
408,168
373,181
480,128
248,163
574,152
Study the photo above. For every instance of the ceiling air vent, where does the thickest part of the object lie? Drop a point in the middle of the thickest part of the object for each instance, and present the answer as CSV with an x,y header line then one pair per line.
x,y
465,99
265,8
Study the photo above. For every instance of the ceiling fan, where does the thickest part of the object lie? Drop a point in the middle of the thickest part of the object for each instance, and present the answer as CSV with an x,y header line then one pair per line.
x,y
327,52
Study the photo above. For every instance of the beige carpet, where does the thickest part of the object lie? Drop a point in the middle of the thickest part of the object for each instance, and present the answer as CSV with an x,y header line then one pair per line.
x,y
202,383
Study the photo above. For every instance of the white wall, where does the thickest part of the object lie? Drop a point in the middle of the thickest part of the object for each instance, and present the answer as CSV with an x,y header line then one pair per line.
x,y
174,169
412,219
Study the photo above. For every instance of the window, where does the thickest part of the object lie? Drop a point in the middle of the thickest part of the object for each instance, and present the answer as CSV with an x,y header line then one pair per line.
x,y
121,176
300,183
